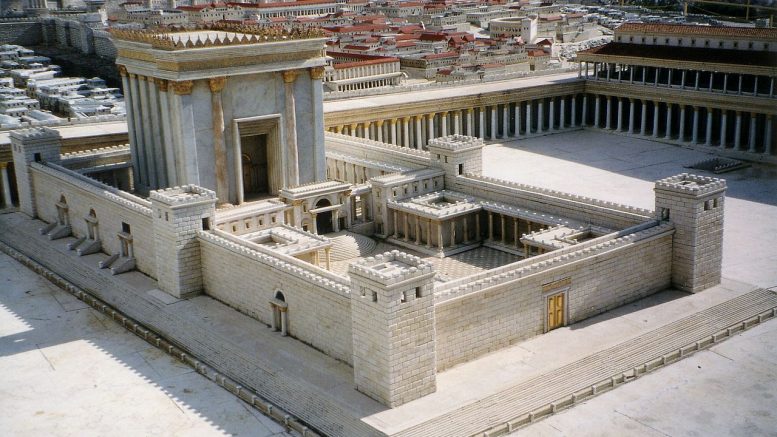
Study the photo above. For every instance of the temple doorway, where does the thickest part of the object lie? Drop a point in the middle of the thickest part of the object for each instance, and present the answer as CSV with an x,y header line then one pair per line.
x,y
324,223
254,166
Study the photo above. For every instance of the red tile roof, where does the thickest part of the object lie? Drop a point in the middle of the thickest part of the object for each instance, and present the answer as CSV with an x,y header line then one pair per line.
x,y
687,54
688,29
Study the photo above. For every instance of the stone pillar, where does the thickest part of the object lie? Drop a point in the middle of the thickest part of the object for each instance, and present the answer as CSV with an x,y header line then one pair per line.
x,y
444,124
7,198
379,130
738,131
584,119
708,138
405,132
723,122
457,122
608,113
129,98
430,126
440,244
506,120
419,142
317,75
490,226
178,213
751,139
643,121
517,120
695,127
562,113
470,122
290,122
597,111
216,85
494,119
167,137
631,116
541,116
619,127
668,135
528,117
681,134
768,135
482,123
552,114
656,116
393,131
574,111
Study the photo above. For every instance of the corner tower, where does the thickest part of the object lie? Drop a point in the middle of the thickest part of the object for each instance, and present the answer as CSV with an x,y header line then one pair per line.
x,y
457,155
392,311
226,107
694,204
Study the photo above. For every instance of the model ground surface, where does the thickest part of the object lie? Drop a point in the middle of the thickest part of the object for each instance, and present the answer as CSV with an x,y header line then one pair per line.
x,y
600,165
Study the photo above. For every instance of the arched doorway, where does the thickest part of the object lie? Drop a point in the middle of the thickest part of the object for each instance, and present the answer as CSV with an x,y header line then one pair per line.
x,y
324,219
280,321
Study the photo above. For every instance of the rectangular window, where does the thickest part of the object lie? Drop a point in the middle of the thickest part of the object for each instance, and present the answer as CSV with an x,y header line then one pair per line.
x,y
403,298
461,168
125,227
206,224
418,292
37,157
374,296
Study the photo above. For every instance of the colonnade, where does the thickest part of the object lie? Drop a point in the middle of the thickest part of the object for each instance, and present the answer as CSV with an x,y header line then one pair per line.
x,y
698,125
686,79
508,120
498,229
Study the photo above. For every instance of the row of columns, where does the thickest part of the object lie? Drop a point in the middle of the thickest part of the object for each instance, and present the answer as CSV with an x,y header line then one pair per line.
x,y
728,83
491,122
737,130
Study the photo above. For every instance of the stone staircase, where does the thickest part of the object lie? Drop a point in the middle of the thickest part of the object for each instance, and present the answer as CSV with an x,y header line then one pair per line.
x,y
530,400
347,245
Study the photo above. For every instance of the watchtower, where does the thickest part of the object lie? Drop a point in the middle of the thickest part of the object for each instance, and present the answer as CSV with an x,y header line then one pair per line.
x,y
694,204
457,155
32,145
392,311
178,213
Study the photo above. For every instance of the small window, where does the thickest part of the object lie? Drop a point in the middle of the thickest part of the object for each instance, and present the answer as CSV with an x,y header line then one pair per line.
x,y
418,292
666,40
461,168
664,213
273,218
403,298
234,228
749,45
206,224
707,43
125,227
720,43
37,157
707,205
374,296
167,217
736,44
715,202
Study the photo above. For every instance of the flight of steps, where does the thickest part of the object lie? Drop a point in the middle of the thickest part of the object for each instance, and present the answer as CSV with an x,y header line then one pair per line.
x,y
347,245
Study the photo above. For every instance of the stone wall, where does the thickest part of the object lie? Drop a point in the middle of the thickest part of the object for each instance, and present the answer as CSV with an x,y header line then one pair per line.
x,y
510,311
383,153
103,45
25,33
319,309
111,207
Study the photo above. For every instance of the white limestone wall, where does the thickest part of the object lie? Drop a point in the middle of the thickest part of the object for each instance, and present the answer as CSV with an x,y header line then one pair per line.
x,y
496,317
111,210
247,280
383,153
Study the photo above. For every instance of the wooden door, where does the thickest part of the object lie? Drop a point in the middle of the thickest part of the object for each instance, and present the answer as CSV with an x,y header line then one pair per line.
x,y
555,311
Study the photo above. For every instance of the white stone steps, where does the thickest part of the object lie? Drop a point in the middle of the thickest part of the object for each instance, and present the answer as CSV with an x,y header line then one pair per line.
x,y
547,389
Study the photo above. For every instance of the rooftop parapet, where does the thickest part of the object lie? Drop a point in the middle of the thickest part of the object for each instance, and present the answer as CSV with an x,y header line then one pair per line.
x,y
690,184
391,267
213,35
35,134
183,195
456,142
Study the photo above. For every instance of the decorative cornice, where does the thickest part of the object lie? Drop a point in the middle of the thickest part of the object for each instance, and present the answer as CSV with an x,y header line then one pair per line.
x,y
166,38
289,76
122,70
216,84
182,87
317,73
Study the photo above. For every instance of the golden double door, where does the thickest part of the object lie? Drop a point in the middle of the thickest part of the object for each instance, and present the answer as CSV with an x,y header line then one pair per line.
x,y
555,311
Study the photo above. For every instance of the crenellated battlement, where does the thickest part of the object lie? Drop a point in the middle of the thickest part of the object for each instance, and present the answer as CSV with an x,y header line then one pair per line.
x,y
696,185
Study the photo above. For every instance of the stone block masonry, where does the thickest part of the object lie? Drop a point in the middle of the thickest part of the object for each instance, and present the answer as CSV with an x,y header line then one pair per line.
x,y
25,33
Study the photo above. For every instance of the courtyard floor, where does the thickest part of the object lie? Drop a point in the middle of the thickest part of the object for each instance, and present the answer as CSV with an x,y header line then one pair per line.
x,y
720,391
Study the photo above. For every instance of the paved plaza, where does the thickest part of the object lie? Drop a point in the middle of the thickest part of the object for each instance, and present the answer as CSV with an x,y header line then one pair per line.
x,y
70,370
727,385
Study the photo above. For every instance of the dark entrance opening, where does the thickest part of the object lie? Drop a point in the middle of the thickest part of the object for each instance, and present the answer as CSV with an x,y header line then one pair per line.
x,y
255,174
324,219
